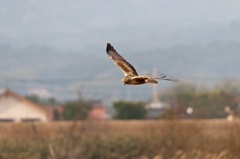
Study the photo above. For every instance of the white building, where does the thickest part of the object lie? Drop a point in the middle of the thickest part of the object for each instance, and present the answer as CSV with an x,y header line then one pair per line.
x,y
14,107
156,107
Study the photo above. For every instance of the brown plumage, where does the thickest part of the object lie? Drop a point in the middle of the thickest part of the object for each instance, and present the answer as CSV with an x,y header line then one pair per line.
x,y
131,76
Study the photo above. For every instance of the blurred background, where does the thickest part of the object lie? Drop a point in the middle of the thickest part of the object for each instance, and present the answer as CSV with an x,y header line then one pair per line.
x,y
54,66
56,49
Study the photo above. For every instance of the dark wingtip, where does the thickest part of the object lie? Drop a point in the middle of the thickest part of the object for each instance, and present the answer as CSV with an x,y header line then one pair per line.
x,y
109,47
173,79
168,79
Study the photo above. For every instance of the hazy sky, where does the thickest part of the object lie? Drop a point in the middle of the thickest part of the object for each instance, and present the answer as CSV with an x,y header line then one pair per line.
x,y
45,22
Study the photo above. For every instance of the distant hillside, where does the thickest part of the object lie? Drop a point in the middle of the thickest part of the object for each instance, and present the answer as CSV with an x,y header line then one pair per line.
x,y
53,69
215,59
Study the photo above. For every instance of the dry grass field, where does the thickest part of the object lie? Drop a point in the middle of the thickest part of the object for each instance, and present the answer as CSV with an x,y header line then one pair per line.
x,y
185,139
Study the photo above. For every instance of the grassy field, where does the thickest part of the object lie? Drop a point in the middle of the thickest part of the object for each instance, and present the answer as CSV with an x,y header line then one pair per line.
x,y
185,139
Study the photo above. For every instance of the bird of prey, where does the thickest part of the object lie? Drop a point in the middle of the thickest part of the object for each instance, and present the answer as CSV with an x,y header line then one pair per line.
x,y
131,77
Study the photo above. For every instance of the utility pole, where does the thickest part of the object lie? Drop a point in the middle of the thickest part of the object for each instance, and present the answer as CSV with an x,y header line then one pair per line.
x,y
155,88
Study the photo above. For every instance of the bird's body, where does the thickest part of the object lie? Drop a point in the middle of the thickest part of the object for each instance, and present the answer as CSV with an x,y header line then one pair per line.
x,y
131,76
137,80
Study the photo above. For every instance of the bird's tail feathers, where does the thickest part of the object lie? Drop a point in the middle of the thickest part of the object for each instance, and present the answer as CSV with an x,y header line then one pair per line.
x,y
151,80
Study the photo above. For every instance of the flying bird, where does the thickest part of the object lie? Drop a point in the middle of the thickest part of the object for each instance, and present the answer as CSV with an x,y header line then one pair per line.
x,y
131,77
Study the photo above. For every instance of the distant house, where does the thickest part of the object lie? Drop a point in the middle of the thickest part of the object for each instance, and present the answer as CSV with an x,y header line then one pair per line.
x,y
15,108
97,112
155,109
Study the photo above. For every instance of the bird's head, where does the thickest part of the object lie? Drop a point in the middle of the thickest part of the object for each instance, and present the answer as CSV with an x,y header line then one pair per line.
x,y
125,80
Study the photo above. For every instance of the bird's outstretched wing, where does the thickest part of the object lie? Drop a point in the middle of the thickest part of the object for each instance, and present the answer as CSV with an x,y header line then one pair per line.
x,y
118,60
164,77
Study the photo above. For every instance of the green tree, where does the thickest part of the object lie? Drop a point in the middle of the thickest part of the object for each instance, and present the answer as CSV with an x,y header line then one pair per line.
x,y
51,101
56,115
76,110
43,101
129,110
206,102
34,98
230,86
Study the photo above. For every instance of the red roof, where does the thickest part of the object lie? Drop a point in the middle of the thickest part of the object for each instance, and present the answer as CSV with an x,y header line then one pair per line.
x,y
13,94
97,113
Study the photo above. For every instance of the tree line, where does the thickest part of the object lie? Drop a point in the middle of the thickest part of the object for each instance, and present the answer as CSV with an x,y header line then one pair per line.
x,y
203,102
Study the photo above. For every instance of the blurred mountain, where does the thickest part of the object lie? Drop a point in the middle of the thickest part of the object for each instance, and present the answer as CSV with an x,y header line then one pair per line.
x,y
51,68
61,44
219,59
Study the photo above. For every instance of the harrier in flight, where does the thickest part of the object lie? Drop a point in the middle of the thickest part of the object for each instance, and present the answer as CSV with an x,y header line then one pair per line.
x,y
131,76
